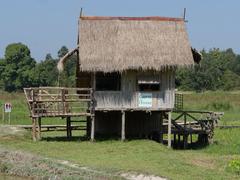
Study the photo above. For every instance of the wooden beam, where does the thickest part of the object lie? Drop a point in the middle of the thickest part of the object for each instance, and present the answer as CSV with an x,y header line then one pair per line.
x,y
123,126
169,129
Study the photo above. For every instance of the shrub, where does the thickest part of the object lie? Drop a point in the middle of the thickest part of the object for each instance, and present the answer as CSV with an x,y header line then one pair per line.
x,y
234,166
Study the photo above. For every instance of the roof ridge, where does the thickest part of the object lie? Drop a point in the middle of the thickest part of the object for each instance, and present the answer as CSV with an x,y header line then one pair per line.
x,y
124,18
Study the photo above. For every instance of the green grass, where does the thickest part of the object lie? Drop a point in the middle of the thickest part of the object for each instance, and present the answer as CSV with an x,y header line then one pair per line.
x,y
141,156
144,156
219,101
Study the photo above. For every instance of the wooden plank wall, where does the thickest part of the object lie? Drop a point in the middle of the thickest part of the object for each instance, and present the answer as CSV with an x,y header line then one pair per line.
x,y
128,96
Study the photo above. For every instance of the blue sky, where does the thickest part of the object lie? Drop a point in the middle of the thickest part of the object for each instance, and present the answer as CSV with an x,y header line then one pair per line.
x,y
46,25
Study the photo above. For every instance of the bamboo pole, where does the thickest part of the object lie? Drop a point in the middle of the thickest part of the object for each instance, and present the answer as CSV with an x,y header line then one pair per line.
x,y
93,83
92,128
169,128
123,126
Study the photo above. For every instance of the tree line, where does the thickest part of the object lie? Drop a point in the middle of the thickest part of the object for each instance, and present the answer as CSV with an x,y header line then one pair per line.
x,y
218,70
18,69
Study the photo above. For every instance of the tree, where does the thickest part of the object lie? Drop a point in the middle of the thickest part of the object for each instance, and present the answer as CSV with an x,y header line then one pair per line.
x,y
235,65
2,67
217,70
62,51
46,73
18,67
231,80
68,76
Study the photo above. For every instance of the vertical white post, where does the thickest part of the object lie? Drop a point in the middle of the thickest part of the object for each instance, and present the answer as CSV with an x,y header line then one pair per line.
x,y
169,129
123,126
92,128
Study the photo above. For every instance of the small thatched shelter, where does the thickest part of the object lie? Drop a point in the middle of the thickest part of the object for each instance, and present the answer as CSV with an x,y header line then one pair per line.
x,y
130,62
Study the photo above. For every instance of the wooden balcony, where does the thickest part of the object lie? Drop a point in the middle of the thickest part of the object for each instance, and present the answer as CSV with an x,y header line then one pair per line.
x,y
59,102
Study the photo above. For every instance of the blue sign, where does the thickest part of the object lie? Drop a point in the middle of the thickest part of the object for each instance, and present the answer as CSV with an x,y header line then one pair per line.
x,y
145,100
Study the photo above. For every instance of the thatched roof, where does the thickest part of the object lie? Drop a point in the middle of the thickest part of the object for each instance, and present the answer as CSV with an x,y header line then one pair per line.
x,y
122,43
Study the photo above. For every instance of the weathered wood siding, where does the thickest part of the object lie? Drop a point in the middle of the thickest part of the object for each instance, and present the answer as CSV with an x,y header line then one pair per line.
x,y
128,96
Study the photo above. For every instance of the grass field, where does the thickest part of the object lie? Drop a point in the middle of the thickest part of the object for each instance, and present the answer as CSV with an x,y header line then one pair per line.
x,y
221,160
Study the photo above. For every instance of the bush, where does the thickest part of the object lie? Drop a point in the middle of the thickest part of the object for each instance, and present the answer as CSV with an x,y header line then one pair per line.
x,y
234,166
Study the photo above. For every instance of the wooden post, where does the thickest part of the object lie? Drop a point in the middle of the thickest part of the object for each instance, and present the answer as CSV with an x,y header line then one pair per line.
x,y
169,129
185,136
34,136
185,121
70,127
123,126
39,128
88,130
63,101
92,128
174,139
67,127
69,133
179,140
185,141
93,84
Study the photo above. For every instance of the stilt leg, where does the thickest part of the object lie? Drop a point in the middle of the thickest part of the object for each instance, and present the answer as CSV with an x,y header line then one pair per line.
x,y
39,128
34,136
179,140
185,141
88,132
93,128
169,129
68,127
123,126
174,139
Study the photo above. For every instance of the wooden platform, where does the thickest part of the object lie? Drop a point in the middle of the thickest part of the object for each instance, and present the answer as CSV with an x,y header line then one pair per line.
x,y
194,122
66,103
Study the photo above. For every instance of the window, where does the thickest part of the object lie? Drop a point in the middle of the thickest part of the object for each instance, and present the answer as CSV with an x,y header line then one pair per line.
x,y
148,84
149,87
108,82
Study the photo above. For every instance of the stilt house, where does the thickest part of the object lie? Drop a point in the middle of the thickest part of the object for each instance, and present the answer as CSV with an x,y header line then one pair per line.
x,y
130,63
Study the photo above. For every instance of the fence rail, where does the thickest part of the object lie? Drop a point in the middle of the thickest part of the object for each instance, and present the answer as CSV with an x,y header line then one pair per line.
x,y
59,101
